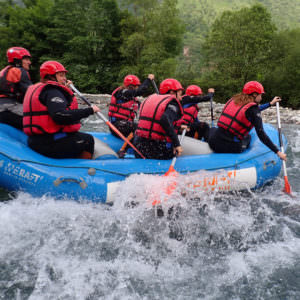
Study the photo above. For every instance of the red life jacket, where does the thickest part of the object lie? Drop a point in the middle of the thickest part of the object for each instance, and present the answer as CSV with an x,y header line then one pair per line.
x,y
36,118
233,119
150,114
125,110
190,114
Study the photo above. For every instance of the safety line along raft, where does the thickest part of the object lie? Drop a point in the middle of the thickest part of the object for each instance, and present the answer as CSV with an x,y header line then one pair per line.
x,y
22,169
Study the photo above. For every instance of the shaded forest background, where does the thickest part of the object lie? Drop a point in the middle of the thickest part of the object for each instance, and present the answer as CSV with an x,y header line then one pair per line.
x,y
212,43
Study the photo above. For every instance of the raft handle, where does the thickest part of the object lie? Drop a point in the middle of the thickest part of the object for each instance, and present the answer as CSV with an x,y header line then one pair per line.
x,y
61,179
269,163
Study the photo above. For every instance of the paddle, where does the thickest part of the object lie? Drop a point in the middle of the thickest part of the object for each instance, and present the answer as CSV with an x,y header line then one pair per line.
x,y
211,112
101,116
155,86
171,172
287,187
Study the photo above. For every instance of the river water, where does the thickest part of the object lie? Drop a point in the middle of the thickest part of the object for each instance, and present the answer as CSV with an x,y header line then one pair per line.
x,y
243,245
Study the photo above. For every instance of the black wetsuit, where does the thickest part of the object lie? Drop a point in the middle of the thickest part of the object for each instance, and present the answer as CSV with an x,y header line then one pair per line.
x,y
124,95
62,145
156,149
222,141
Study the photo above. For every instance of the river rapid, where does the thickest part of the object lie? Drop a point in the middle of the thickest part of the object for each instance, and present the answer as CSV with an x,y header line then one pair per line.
x,y
243,245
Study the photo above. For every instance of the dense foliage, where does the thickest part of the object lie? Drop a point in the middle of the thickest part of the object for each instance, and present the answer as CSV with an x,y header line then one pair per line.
x,y
238,48
219,44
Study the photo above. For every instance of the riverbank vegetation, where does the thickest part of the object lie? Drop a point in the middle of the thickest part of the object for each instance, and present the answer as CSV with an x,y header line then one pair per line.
x,y
211,43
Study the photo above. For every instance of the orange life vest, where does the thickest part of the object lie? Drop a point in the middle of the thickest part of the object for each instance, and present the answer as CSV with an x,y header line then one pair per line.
x,y
9,77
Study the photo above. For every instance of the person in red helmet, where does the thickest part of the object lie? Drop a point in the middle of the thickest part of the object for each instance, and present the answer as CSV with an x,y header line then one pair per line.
x,y
190,103
124,105
240,114
51,117
155,135
14,81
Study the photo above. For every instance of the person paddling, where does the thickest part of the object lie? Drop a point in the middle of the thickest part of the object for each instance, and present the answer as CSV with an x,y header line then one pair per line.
x,y
52,117
240,114
155,135
124,106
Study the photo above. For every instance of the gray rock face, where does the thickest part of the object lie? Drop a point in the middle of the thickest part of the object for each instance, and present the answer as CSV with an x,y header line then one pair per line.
x,y
288,115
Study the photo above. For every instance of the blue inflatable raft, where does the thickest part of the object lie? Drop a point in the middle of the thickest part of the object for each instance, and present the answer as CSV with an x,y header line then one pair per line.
x,y
22,169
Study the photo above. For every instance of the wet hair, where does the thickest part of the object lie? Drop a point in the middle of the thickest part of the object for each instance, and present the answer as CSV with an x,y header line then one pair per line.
x,y
242,98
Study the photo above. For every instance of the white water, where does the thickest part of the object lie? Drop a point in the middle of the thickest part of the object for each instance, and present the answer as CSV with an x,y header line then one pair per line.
x,y
234,246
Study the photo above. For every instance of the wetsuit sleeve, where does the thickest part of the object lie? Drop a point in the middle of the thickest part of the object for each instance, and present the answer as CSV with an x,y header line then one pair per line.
x,y
25,81
254,116
128,94
57,104
195,100
264,106
171,114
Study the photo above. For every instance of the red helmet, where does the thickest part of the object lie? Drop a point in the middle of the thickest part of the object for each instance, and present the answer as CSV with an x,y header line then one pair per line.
x,y
16,53
51,67
253,87
193,90
170,84
131,80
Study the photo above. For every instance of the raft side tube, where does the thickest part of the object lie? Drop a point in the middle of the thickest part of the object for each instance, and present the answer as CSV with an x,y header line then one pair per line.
x,y
193,146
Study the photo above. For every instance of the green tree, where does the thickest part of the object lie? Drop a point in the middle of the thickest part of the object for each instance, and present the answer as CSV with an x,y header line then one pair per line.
x,y
238,48
197,17
152,38
25,26
284,75
85,36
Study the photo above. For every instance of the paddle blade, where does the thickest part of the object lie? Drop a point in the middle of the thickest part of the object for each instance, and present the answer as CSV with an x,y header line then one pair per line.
x,y
287,187
171,171
169,189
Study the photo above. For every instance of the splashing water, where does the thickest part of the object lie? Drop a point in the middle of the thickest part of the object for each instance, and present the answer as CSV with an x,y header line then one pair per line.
x,y
238,245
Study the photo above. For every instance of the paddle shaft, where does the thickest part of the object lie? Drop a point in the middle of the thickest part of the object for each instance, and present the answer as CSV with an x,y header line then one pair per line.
x,y
211,111
101,116
287,187
175,157
155,86
280,138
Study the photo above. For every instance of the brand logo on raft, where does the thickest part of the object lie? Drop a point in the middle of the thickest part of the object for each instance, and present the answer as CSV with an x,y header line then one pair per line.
x,y
13,170
226,181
